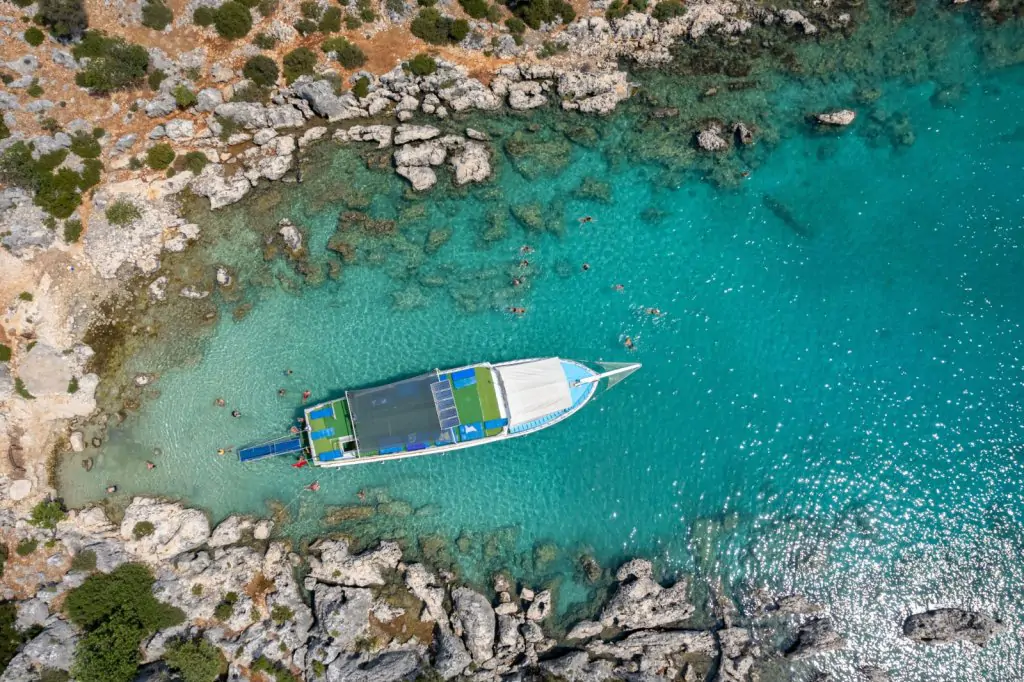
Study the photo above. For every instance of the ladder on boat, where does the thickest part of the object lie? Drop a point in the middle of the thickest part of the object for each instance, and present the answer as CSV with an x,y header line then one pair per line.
x,y
274,448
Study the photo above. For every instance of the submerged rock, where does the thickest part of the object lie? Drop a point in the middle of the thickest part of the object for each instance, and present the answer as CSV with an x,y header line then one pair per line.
x,y
842,117
940,626
814,637
710,139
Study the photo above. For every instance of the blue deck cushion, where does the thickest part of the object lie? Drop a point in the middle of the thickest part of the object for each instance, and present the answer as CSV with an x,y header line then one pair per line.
x,y
322,433
416,446
463,383
463,374
392,450
495,423
471,431
330,456
323,412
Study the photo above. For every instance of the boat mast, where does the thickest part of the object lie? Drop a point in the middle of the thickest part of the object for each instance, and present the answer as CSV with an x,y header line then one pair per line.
x,y
604,375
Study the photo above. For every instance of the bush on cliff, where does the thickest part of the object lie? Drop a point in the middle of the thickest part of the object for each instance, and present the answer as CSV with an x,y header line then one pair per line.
x,y
668,9
536,12
160,156
203,16
156,15
113,63
475,8
85,145
121,213
195,660
422,65
349,55
66,19
232,20
47,514
437,29
261,70
33,36
298,62
330,22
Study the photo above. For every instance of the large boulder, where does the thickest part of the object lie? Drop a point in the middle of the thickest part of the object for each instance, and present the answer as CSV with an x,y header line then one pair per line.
x,y
425,586
940,626
577,667
322,100
23,228
175,529
842,117
474,617
230,531
451,657
816,636
411,133
53,648
390,666
220,190
253,116
333,564
45,371
471,164
344,612
420,177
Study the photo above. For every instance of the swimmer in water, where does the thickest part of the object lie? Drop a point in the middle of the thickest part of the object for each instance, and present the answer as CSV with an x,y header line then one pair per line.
x,y
314,486
516,281
219,402
524,263
150,465
111,489
305,395
586,266
236,414
654,311
586,219
281,392
525,248
628,343
221,451
619,288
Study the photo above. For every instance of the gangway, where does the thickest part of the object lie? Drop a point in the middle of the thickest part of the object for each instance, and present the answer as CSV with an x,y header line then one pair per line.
x,y
274,448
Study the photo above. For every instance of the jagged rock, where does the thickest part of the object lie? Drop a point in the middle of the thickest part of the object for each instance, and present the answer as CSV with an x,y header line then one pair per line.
x,y
31,612
506,608
45,371
125,142
221,191
592,93
263,529
420,177
795,603
311,135
531,632
870,673
335,565
577,667
791,17
179,129
585,629
208,99
472,164
407,133
738,655
425,587
640,602
290,234
321,98
940,626
252,116
229,531
540,607
344,612
175,529
526,95
390,666
424,154
161,105
158,288
744,134
223,276
842,117
509,642
380,134
475,617
52,648
710,139
193,293
452,657
477,135
815,636
22,224
77,441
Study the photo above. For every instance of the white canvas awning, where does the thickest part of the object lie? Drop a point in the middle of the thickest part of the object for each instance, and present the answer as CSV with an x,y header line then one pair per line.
x,y
534,389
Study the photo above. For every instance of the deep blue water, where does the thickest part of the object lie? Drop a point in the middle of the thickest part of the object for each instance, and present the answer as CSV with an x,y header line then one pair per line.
x,y
831,403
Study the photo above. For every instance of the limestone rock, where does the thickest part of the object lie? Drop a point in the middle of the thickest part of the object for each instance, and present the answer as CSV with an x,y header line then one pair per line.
x,y
710,139
52,648
738,655
311,135
22,224
475,617
175,529
344,612
290,234
409,133
321,98
31,612
263,529
229,531
585,629
577,667
221,191
640,602
540,607
208,99
179,129
335,565
658,649
380,134
472,164
424,586
161,105
420,177
940,626
526,95
390,666
791,17
253,116
424,154
452,657
841,117
815,636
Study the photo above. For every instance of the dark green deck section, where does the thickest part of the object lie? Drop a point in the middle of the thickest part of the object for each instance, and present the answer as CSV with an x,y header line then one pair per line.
x,y
479,402
341,422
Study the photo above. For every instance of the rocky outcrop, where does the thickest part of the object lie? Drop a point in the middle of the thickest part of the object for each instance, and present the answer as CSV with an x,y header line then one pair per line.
x,y
816,636
474,620
424,585
841,117
252,116
174,529
333,564
640,602
22,224
941,626
220,190
710,139
471,164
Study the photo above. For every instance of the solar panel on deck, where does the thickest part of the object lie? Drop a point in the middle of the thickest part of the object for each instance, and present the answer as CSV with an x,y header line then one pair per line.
x,y
403,412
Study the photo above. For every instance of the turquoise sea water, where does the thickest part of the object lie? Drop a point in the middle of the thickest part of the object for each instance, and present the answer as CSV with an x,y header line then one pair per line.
x,y
830,404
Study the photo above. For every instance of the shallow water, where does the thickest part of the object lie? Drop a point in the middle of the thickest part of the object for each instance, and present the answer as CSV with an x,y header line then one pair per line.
x,y
830,403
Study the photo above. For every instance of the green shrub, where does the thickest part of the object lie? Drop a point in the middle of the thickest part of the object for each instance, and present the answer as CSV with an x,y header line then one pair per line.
x,y
266,7
395,6
197,589
196,660
143,528
127,588
84,561
305,26
110,652
59,194
203,16
279,614
275,670
352,22
223,611
426,3
298,62
73,385
183,96
53,675
66,19
85,145
33,36
20,389
156,15
475,8
422,65
536,12
348,55
10,638
35,89
18,168
5,353
26,547
72,230
620,8
123,212
250,92
232,20
668,9
437,29
156,77
25,296
195,161
92,171
311,9
367,15
330,22
5,132
159,156
362,87
261,70
47,514
113,64
516,26
49,161
265,41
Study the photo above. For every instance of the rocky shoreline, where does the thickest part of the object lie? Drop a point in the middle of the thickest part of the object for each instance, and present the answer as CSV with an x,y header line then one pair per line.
x,y
330,614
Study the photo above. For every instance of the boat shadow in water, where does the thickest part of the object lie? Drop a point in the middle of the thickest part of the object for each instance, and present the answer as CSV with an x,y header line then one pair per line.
x,y
785,215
